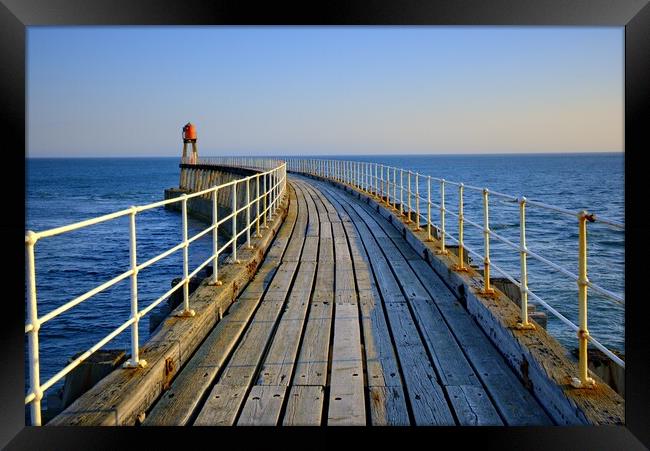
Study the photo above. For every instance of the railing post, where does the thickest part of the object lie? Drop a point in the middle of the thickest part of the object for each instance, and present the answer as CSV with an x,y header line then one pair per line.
x,y
461,250
357,177
272,189
248,214
215,239
429,209
394,188
387,186
443,231
417,202
408,197
264,213
186,281
381,183
234,224
401,192
366,178
523,288
375,182
32,314
584,381
487,289
134,361
257,209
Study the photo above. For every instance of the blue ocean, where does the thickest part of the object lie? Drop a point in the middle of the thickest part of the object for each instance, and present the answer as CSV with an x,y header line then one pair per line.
x,y
63,191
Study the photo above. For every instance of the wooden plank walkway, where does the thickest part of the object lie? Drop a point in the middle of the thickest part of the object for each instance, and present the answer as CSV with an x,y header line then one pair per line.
x,y
344,324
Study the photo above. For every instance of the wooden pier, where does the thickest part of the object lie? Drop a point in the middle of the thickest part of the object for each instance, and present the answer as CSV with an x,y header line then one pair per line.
x,y
345,324
343,312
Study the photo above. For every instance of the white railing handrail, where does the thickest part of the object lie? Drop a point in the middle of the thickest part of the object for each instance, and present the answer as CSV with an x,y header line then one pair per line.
x,y
382,182
271,173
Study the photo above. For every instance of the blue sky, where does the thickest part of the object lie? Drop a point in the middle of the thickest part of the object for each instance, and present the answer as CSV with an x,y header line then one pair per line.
x,y
127,91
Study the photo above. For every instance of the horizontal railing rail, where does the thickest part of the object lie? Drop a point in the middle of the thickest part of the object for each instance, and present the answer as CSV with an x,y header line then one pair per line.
x,y
270,174
399,189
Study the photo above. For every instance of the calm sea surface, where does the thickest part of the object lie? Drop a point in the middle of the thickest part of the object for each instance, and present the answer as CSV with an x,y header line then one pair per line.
x,y
62,191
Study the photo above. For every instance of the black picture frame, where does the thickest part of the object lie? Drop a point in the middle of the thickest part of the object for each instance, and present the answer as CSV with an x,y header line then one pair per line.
x,y
16,15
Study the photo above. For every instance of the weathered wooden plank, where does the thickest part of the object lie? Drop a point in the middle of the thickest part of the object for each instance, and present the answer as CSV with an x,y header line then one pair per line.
x,y
410,284
177,404
281,357
346,400
304,406
311,367
326,251
425,392
448,357
244,362
294,248
262,407
381,228
277,290
222,406
320,206
471,407
304,280
313,225
310,249
326,230
344,283
388,407
387,283
516,404
242,366
381,362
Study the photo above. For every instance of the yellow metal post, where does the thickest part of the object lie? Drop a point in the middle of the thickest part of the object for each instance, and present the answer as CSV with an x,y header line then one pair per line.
x,y
32,315
381,183
215,239
523,289
487,290
248,215
417,202
408,195
257,210
429,209
264,226
461,250
401,192
583,334
187,312
443,249
394,188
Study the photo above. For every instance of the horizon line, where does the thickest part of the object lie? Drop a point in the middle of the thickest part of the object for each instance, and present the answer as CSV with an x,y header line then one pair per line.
x,y
591,152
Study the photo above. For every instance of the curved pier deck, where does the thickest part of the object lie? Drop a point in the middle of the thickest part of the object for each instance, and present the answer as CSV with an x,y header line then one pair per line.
x,y
345,324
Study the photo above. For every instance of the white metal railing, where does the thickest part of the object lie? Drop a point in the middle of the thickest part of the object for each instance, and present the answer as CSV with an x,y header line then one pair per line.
x,y
271,174
387,184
